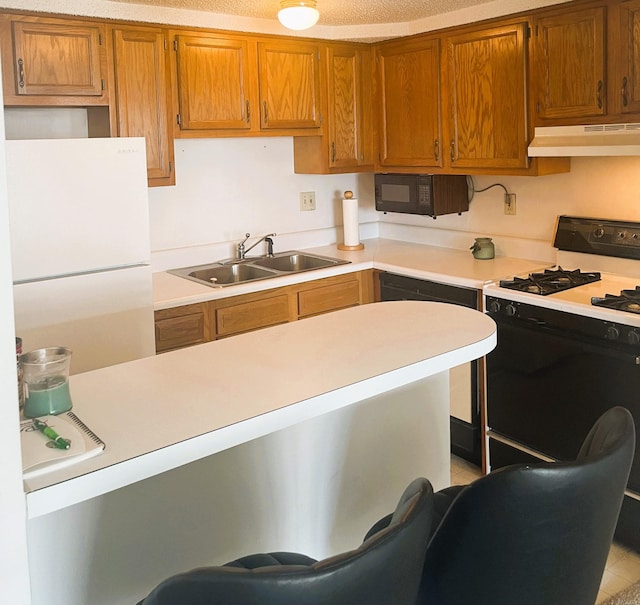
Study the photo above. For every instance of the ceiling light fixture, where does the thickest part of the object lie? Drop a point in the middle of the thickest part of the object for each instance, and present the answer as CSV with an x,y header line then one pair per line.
x,y
298,14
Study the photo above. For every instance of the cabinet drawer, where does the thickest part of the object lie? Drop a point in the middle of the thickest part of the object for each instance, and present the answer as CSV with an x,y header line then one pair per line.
x,y
252,315
328,298
181,327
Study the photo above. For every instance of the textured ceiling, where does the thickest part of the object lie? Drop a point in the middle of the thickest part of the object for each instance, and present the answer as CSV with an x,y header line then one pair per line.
x,y
332,12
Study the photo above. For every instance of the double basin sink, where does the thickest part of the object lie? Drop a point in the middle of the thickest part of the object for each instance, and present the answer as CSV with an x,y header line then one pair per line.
x,y
233,272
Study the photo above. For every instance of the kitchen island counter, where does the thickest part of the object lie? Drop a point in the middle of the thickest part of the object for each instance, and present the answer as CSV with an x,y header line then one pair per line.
x,y
160,412
296,437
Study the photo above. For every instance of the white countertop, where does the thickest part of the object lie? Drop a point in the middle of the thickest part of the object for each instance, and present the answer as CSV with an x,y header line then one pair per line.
x,y
445,265
161,412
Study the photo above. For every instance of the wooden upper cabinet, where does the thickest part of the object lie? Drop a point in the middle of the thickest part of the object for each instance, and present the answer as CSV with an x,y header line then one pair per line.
x,y
408,96
343,91
213,82
347,145
349,106
625,50
53,61
570,64
289,85
486,105
142,96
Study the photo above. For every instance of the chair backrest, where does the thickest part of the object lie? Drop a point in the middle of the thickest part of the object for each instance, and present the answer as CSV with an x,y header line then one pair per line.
x,y
536,534
384,570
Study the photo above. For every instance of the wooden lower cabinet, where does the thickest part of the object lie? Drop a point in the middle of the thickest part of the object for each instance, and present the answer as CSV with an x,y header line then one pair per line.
x,y
202,322
329,297
237,314
182,326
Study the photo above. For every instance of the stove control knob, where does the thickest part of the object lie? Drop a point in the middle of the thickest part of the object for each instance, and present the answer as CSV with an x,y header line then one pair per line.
x,y
510,310
598,232
612,333
494,306
633,337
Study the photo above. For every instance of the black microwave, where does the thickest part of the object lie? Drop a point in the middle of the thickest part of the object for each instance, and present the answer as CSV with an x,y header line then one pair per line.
x,y
427,194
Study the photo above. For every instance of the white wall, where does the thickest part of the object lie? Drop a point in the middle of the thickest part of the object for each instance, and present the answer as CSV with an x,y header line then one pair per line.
x,y
606,187
228,187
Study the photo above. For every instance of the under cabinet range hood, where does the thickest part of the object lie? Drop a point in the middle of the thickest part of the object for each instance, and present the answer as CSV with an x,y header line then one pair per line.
x,y
591,140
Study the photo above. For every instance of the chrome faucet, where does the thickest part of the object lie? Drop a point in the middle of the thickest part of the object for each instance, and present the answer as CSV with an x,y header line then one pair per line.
x,y
242,251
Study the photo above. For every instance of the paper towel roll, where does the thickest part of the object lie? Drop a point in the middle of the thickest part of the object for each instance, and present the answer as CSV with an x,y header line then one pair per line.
x,y
350,223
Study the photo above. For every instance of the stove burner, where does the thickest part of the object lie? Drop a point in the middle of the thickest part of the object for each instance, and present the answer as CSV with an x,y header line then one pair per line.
x,y
551,281
627,300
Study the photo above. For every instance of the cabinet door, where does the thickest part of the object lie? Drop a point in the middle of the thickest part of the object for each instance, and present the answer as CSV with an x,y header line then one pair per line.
x,y
57,59
235,318
570,62
289,84
409,103
142,96
486,88
627,77
331,297
182,327
213,83
347,145
344,93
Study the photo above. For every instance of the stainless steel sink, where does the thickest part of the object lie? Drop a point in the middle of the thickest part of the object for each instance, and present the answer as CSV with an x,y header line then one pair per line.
x,y
231,272
296,261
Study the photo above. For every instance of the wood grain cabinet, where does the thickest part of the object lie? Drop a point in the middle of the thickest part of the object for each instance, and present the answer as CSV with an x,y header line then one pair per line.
x,y
408,103
624,21
142,96
53,61
202,322
347,145
569,76
329,295
242,86
251,311
289,85
182,326
486,104
213,76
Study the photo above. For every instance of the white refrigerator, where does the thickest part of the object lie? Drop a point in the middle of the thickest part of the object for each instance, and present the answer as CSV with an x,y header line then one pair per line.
x,y
80,248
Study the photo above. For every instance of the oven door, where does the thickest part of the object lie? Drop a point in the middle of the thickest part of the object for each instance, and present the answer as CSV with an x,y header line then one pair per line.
x,y
546,387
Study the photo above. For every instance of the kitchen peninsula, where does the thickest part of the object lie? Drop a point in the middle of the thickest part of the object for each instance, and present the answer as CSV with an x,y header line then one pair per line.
x,y
326,421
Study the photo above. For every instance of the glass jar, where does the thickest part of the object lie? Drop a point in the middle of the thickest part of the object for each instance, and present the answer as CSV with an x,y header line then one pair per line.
x,y
46,381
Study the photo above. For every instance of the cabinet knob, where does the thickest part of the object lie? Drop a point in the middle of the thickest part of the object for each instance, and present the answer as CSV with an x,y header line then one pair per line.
x,y
266,112
333,152
248,113
452,150
623,92
436,150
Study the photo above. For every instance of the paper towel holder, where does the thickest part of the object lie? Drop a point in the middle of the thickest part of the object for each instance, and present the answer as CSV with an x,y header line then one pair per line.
x,y
348,199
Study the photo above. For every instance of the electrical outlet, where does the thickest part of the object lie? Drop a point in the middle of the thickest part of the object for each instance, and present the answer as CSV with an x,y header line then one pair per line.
x,y
307,200
510,203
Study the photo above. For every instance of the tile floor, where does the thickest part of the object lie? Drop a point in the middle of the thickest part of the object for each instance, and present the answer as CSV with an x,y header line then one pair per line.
x,y
623,565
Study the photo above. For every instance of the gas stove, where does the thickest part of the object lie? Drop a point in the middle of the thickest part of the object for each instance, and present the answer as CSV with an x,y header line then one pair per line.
x,y
597,276
550,281
627,300
568,349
